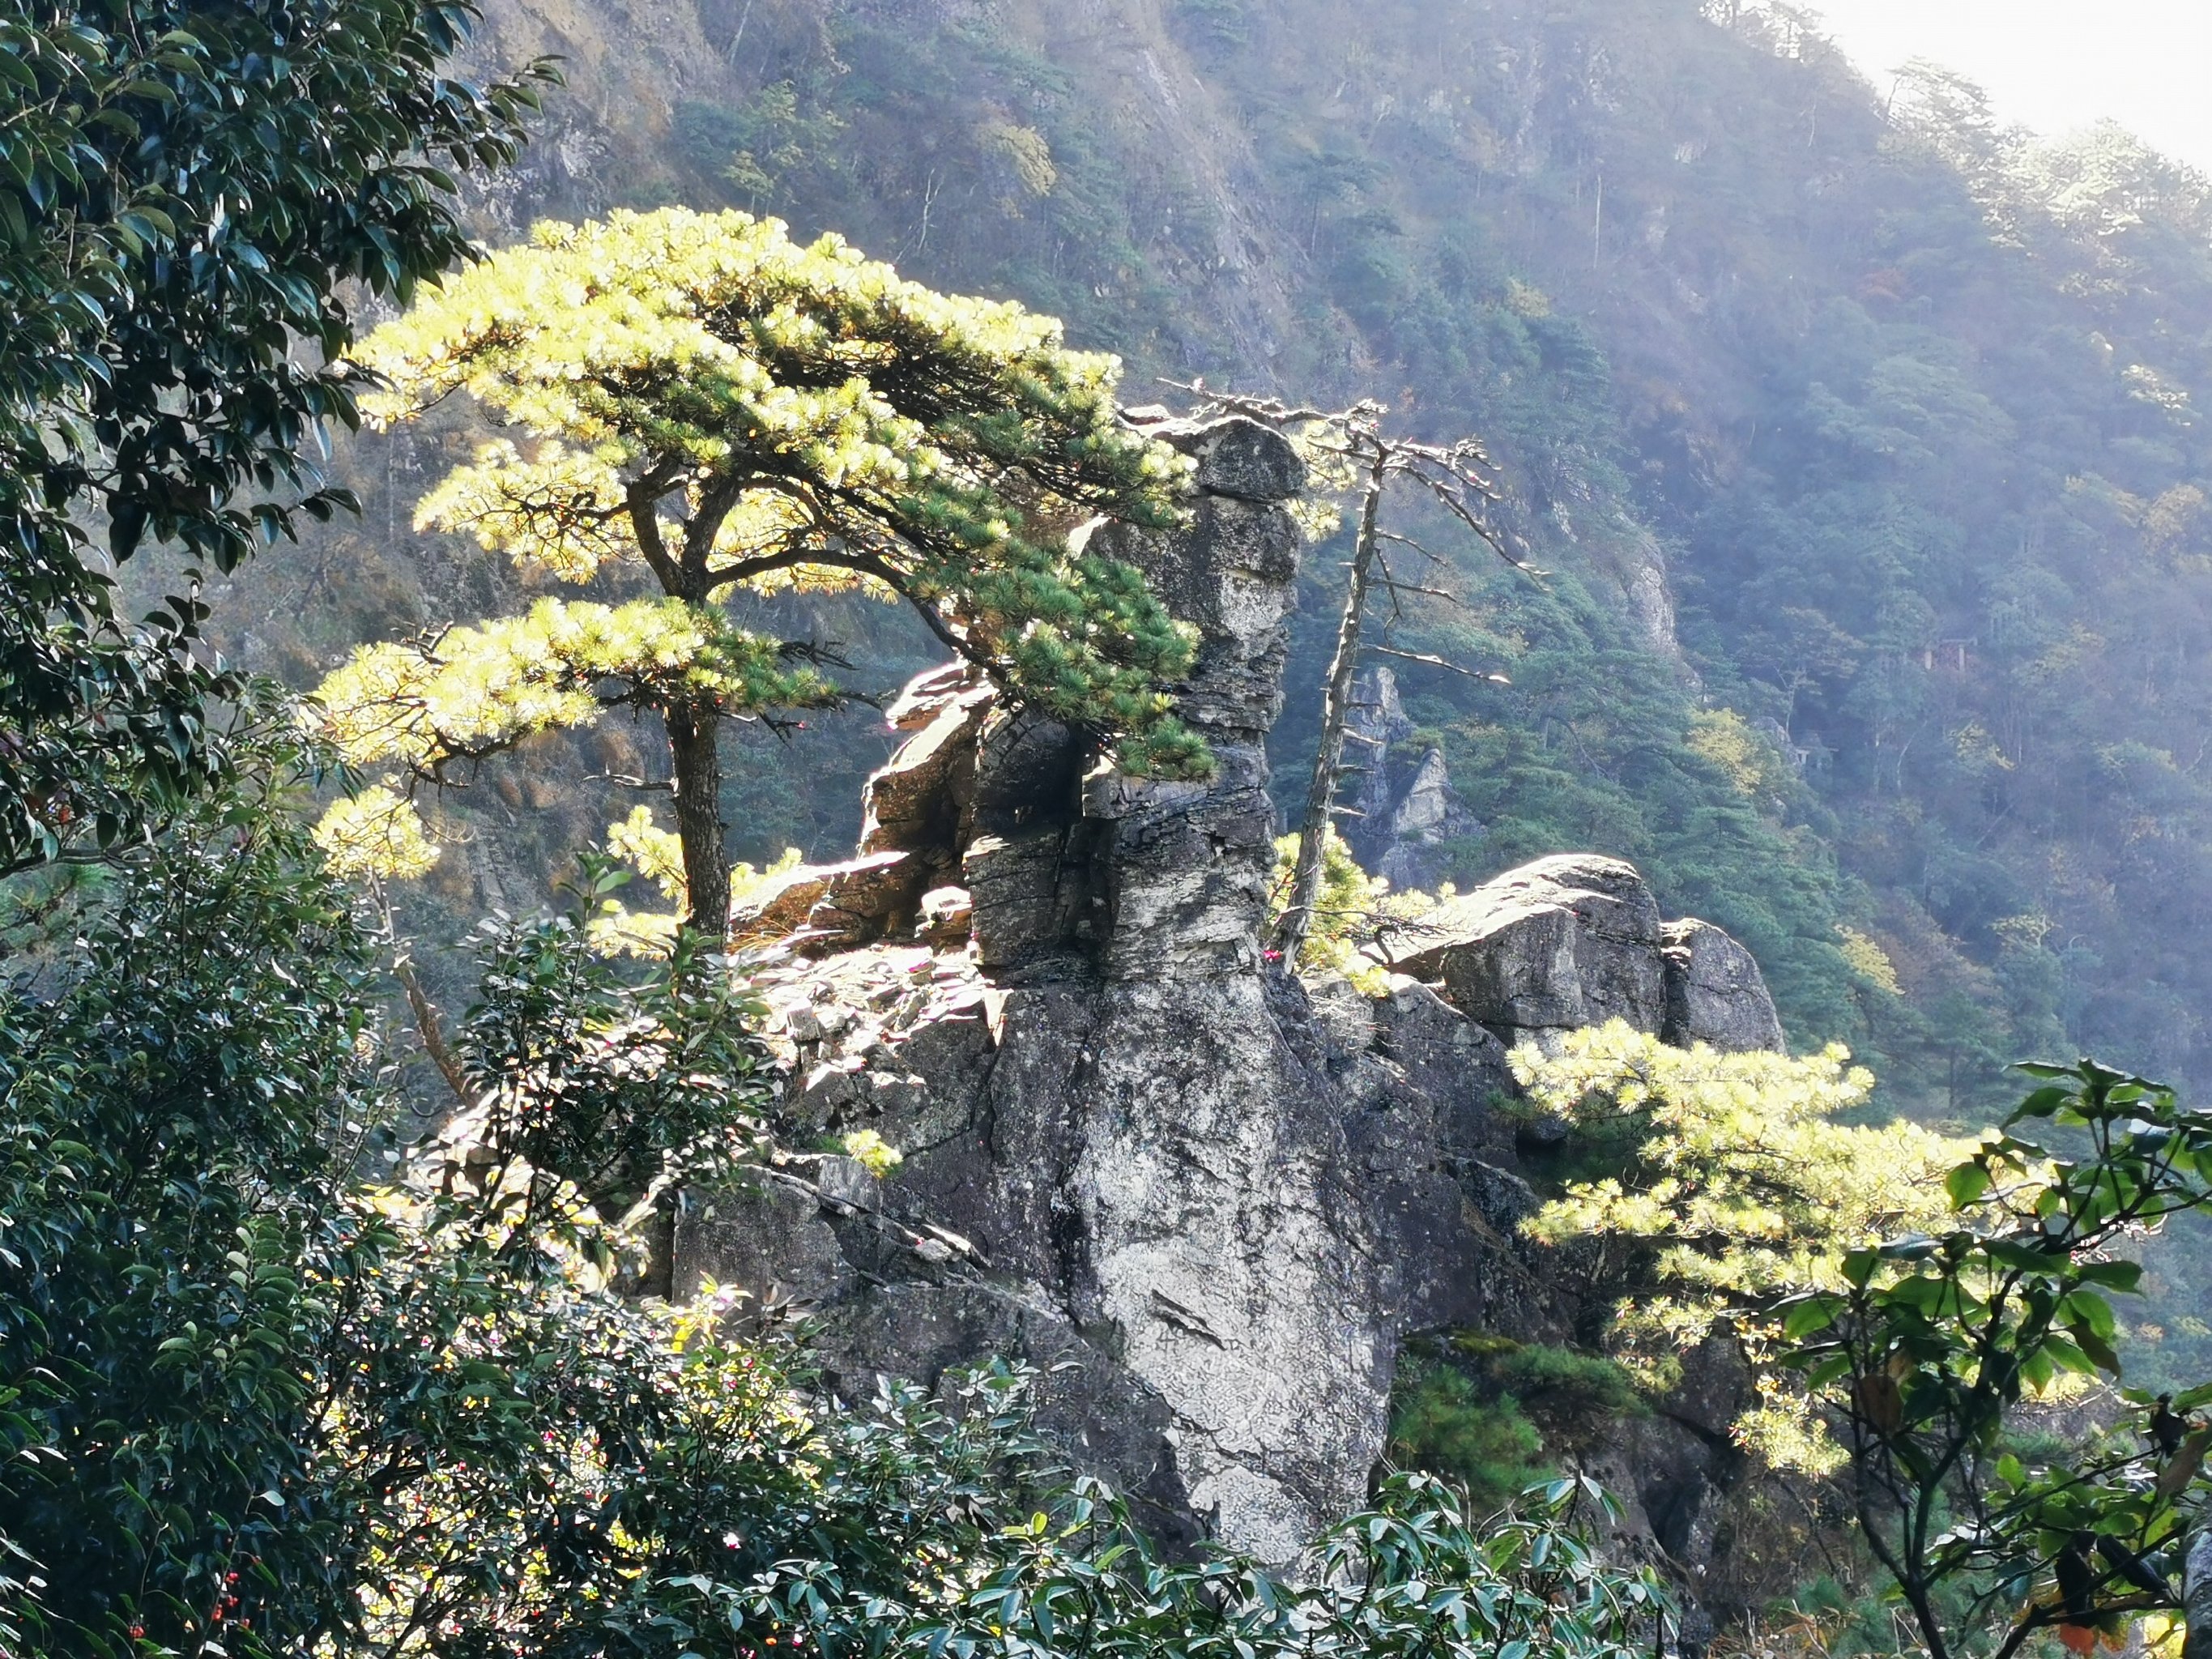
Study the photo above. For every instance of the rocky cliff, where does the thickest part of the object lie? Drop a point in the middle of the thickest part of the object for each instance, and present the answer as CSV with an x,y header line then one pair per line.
x,y
1213,1201
1404,810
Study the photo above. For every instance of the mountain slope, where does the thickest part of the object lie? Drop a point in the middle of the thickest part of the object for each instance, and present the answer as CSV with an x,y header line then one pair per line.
x,y
1857,433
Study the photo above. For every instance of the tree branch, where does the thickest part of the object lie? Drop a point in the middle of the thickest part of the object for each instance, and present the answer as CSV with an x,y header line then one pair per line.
x,y
1436,662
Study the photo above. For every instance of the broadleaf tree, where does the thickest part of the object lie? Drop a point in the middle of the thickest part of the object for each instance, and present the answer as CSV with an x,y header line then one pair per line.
x,y
1933,1344
187,186
697,398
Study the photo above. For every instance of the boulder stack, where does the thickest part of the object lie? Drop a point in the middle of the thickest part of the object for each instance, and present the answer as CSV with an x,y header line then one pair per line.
x,y
1576,940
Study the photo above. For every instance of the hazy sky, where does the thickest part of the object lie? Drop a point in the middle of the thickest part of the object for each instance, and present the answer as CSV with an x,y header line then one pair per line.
x,y
2055,64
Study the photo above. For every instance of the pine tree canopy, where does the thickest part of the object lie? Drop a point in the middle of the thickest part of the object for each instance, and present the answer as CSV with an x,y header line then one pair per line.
x,y
697,393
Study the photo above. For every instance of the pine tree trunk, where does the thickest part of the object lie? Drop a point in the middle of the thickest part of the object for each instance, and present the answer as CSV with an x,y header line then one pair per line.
x,y
1336,715
694,730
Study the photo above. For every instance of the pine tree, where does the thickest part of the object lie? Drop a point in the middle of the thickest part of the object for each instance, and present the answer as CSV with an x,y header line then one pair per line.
x,y
699,396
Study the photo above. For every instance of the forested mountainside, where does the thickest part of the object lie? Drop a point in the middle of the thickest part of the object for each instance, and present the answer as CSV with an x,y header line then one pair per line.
x,y
1856,434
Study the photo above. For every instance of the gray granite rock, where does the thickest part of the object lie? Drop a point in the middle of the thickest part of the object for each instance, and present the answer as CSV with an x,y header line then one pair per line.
x,y
1575,940
1236,458
1566,942
1215,1201
1715,993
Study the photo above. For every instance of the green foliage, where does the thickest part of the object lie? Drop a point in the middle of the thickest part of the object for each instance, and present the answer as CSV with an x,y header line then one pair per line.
x,y
1573,1397
1352,910
732,412
186,188
173,1255
1445,1422
765,147
1420,1573
1928,1347
1730,1187
616,1081
245,1400
1491,1415
472,692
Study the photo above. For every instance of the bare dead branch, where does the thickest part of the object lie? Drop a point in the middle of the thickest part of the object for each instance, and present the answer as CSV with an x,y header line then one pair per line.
x,y
433,1030
1427,661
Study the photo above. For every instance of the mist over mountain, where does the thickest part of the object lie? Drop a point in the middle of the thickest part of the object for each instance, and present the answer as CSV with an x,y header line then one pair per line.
x,y
1856,433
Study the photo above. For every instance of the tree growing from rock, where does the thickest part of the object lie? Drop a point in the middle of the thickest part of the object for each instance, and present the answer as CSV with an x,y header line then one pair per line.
x,y
1729,1185
1350,456
697,399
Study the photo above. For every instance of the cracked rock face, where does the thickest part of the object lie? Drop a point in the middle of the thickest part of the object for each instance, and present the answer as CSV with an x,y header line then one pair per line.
x,y
1223,1203
1131,1144
1113,1105
1715,993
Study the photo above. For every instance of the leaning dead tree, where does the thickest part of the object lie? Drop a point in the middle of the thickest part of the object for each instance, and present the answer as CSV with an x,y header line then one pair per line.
x,y
1351,457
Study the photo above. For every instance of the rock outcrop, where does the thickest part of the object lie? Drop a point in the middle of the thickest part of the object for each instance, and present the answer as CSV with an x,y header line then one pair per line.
x,y
1130,1142
1562,943
1715,993
1115,1103
1576,940
1404,810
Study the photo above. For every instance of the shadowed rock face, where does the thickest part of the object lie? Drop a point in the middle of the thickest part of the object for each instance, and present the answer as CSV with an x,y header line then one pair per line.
x,y
1404,809
1715,993
1130,1141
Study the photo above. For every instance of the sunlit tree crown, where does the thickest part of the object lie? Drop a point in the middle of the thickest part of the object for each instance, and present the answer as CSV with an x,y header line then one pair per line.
x,y
1740,1188
697,392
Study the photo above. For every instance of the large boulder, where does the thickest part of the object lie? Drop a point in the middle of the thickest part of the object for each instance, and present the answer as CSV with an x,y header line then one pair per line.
x,y
1715,993
1576,940
1562,943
